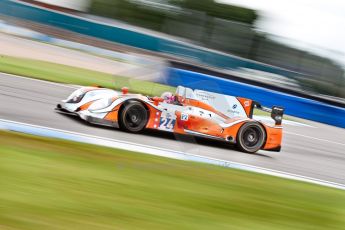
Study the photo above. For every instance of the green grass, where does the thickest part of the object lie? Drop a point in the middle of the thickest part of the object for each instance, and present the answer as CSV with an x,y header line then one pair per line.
x,y
259,112
54,184
73,75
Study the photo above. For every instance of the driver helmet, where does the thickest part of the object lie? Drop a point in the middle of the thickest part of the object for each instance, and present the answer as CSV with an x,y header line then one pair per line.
x,y
168,97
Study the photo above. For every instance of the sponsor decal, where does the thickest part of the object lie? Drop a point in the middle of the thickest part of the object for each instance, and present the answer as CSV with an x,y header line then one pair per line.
x,y
204,96
246,103
234,112
184,117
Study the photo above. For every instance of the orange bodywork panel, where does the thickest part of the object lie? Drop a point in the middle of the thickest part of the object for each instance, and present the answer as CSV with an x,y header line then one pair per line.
x,y
180,125
274,137
233,130
85,106
154,119
199,104
205,126
246,104
113,115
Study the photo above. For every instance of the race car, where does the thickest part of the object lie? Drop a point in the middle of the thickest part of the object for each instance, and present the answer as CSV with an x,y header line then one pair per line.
x,y
190,112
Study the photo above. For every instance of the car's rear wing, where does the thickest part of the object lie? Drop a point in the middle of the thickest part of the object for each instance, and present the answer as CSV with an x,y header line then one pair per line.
x,y
276,112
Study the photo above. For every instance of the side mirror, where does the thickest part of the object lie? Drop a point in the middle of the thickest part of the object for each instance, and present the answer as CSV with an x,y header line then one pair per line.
x,y
124,90
156,100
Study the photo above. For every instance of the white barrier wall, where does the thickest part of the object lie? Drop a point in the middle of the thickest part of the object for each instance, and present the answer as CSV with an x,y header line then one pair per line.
x,y
80,5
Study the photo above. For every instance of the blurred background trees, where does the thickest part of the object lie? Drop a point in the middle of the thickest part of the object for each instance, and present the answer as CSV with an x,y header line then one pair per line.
x,y
229,29
152,14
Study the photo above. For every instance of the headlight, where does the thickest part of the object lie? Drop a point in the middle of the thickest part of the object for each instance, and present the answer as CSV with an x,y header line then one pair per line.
x,y
100,104
76,96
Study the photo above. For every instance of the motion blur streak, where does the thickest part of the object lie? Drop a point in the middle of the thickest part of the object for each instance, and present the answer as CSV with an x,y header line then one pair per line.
x,y
315,138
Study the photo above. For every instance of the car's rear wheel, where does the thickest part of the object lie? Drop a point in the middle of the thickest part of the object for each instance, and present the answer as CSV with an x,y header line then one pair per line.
x,y
251,137
133,117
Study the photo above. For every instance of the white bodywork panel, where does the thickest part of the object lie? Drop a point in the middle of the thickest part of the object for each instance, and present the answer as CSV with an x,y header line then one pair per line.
x,y
92,95
228,105
225,104
80,5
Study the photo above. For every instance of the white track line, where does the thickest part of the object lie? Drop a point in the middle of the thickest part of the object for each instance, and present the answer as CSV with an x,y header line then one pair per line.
x,y
285,121
314,138
80,137
41,81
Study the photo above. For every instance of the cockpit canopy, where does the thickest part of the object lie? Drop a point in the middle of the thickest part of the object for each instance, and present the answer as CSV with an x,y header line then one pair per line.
x,y
186,93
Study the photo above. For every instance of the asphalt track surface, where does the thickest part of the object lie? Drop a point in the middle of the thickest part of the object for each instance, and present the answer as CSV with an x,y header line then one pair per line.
x,y
315,150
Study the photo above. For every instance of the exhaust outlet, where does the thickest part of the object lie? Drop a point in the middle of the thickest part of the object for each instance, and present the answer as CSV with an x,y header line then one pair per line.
x,y
230,139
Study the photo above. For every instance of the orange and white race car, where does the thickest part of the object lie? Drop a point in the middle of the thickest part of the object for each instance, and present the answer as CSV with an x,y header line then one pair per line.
x,y
190,112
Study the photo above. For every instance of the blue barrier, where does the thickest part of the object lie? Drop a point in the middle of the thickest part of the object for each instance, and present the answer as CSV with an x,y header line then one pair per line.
x,y
295,106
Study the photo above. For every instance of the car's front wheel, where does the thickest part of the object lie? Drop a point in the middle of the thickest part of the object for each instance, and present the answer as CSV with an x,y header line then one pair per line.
x,y
251,137
133,117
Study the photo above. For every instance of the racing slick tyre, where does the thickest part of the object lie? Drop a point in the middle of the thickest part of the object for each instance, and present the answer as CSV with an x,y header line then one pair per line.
x,y
133,117
251,137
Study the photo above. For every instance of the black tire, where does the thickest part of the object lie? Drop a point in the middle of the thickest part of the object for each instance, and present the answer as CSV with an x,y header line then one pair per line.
x,y
133,117
251,137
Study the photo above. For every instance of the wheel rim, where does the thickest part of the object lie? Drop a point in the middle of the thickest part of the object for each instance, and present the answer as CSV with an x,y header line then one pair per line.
x,y
134,117
251,137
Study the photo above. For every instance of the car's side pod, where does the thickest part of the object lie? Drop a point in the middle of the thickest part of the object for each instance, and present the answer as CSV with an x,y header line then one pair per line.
x,y
277,112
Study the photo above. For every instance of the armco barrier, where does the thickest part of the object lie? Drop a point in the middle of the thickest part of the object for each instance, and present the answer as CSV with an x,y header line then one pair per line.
x,y
78,24
130,37
295,106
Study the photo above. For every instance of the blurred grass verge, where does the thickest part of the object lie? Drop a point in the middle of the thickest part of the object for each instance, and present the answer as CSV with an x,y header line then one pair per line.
x,y
72,75
54,184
